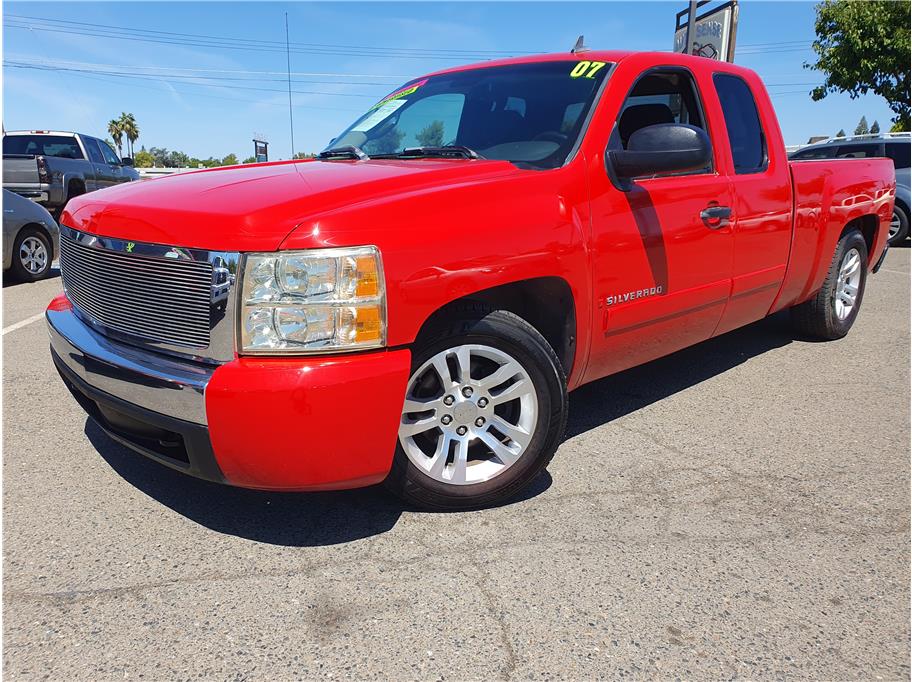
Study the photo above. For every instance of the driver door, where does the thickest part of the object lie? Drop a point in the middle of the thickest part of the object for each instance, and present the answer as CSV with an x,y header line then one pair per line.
x,y
661,269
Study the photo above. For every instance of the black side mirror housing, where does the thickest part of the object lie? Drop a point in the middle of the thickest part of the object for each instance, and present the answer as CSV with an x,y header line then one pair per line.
x,y
660,148
126,161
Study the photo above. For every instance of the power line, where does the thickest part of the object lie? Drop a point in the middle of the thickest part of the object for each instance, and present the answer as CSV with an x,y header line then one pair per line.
x,y
36,67
234,44
251,41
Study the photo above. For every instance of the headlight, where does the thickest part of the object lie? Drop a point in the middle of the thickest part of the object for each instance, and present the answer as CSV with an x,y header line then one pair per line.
x,y
318,300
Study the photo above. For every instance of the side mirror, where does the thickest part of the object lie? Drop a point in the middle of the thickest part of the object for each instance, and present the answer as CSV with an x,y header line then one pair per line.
x,y
126,161
661,148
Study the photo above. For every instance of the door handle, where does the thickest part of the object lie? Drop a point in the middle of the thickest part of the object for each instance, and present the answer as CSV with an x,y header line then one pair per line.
x,y
715,217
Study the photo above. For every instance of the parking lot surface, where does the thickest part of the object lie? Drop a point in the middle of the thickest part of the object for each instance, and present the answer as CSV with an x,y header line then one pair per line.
x,y
739,509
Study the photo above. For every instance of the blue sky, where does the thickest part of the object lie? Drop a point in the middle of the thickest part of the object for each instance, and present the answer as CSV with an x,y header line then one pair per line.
x,y
244,91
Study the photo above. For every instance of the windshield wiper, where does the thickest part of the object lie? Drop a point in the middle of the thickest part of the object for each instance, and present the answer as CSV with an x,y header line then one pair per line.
x,y
349,151
449,150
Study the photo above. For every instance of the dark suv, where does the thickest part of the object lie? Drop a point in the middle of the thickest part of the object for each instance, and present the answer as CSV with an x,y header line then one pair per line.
x,y
892,145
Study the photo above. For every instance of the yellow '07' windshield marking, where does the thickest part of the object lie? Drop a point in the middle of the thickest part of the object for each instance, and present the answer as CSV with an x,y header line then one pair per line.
x,y
585,69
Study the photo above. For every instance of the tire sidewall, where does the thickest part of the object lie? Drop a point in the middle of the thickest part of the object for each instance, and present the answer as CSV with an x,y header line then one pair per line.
x,y
903,233
499,331
19,270
849,241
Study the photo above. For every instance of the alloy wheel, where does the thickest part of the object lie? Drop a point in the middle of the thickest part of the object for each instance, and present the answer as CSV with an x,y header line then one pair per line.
x,y
33,255
469,414
847,284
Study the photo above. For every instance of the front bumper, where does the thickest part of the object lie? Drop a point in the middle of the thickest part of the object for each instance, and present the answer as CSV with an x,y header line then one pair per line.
x,y
273,423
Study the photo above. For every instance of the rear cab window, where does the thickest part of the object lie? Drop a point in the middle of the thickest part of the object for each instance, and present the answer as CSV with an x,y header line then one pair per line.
x,y
61,146
742,119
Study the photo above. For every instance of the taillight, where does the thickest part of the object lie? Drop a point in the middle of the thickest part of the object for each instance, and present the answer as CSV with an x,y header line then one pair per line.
x,y
43,175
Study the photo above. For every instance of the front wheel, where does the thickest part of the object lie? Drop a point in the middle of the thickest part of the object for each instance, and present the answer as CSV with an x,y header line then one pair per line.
x,y
484,411
831,313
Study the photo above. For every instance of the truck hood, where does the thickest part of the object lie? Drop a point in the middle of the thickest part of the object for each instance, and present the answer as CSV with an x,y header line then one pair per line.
x,y
253,208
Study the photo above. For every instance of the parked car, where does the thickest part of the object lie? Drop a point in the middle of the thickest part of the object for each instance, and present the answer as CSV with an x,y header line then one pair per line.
x,y
53,167
30,238
414,305
891,145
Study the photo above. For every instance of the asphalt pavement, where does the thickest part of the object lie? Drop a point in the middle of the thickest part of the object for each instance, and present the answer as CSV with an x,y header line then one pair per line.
x,y
736,510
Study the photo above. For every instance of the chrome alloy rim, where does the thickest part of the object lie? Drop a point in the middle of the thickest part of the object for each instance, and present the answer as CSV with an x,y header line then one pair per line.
x,y
894,225
33,255
847,284
469,414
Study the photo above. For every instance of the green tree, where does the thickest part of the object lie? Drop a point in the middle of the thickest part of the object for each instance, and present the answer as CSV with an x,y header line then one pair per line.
x,y
862,47
230,160
899,127
841,133
143,159
431,135
116,132
250,159
130,129
875,128
304,155
862,127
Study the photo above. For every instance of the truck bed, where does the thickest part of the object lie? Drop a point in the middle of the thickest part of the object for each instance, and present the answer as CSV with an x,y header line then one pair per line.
x,y
829,194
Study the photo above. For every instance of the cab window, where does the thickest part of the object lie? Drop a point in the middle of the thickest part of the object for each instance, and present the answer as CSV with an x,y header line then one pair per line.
x,y
109,155
659,96
742,119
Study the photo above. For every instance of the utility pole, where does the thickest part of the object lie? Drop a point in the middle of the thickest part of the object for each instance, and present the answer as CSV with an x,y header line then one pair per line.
x,y
691,31
288,59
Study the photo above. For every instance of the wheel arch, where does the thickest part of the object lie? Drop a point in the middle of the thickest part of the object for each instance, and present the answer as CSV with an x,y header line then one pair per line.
x,y
866,224
547,303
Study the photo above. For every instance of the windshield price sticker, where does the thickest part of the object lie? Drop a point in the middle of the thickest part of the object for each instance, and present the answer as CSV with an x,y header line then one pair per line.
x,y
378,114
405,92
586,69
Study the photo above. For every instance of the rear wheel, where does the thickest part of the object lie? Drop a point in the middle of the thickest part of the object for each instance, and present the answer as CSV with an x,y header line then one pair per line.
x,y
31,255
484,411
899,226
832,312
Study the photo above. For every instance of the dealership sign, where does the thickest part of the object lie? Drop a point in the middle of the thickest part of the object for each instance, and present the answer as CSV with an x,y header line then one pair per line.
x,y
713,35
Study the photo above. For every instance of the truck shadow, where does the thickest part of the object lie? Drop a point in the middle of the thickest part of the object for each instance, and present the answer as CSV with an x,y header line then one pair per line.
x,y
289,519
327,518
618,395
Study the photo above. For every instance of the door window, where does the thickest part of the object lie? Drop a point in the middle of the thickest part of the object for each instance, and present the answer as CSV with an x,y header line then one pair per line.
x,y
91,146
815,153
109,155
659,97
745,133
859,151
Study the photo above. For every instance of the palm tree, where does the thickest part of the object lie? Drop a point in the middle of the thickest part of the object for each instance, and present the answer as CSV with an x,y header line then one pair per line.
x,y
116,132
130,129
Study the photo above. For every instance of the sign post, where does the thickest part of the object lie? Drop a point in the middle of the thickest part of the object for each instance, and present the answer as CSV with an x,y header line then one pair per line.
x,y
711,34
260,150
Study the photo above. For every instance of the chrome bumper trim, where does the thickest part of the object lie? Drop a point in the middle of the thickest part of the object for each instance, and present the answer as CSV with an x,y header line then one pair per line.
x,y
153,381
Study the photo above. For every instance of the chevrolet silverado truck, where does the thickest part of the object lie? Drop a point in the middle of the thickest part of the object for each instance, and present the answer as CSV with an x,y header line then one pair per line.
x,y
50,167
414,305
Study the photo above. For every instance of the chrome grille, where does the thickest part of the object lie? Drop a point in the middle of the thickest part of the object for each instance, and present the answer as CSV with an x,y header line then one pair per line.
x,y
164,300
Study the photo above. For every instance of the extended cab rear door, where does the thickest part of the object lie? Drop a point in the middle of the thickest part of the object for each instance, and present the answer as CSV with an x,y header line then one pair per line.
x,y
661,268
755,161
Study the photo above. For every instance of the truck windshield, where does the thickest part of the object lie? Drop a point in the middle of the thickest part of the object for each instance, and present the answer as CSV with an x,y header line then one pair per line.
x,y
43,145
529,114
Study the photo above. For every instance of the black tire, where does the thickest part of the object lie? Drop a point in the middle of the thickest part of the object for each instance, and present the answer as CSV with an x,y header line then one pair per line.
x,y
902,234
74,189
509,334
19,269
817,317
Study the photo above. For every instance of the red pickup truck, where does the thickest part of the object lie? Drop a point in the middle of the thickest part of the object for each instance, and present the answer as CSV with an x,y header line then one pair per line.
x,y
414,305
